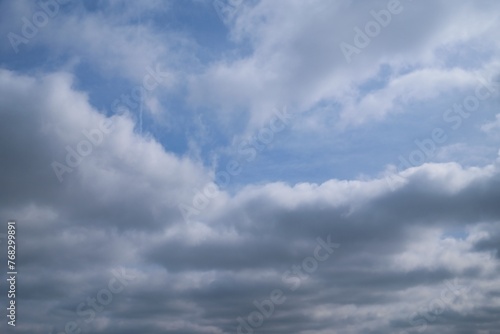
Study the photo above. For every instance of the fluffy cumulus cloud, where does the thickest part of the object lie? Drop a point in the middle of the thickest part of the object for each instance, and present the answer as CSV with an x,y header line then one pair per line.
x,y
250,167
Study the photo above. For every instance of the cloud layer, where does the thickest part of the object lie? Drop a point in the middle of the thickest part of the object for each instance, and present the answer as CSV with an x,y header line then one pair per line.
x,y
124,226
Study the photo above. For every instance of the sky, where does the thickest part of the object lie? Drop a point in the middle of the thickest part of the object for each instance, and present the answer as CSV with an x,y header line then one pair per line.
x,y
246,166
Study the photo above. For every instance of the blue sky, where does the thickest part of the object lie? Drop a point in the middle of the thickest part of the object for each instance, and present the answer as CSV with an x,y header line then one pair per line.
x,y
194,43
205,146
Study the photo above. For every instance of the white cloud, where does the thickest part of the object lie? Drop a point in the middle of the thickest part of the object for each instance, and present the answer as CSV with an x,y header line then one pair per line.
x,y
296,59
117,206
492,127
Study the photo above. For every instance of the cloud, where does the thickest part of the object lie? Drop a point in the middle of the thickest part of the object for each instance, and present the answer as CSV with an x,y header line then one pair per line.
x,y
58,118
103,246
295,57
491,126
118,209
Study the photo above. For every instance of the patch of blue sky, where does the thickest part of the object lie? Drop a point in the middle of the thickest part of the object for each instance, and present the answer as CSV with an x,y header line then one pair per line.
x,y
380,80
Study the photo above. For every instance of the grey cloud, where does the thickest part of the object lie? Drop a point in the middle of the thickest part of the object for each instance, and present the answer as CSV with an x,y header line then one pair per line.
x,y
118,209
